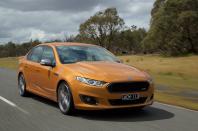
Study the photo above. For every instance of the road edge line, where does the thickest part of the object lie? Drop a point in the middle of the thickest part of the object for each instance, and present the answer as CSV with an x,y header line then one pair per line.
x,y
7,101
13,105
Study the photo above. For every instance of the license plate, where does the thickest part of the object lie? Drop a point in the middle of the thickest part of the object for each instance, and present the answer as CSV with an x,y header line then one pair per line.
x,y
130,97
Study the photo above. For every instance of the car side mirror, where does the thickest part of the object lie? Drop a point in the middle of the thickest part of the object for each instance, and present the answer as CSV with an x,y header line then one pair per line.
x,y
47,62
120,61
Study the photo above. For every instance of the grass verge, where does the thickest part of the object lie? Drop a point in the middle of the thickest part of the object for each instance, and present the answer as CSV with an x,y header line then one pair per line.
x,y
10,63
176,100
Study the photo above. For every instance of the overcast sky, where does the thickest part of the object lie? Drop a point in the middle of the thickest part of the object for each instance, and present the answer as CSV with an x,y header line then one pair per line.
x,y
22,20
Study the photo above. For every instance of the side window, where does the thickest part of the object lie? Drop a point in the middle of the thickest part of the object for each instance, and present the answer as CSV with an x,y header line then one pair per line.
x,y
36,54
48,54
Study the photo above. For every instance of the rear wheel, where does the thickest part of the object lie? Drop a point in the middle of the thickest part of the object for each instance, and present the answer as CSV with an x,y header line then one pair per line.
x,y
22,85
65,99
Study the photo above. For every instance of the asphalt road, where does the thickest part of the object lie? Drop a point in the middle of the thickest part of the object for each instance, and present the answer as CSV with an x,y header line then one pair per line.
x,y
34,113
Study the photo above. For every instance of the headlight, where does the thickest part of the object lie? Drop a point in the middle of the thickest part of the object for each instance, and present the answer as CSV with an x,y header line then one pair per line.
x,y
150,80
90,81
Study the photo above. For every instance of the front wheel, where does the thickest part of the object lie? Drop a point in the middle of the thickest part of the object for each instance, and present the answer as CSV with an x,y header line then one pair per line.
x,y
65,99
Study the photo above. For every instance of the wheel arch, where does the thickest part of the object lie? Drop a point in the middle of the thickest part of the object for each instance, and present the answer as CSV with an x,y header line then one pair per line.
x,y
65,81
19,73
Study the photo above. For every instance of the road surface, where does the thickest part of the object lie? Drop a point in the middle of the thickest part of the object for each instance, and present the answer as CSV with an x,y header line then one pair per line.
x,y
34,113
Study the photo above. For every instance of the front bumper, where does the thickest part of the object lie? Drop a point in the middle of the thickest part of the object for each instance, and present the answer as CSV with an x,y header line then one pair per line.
x,y
103,97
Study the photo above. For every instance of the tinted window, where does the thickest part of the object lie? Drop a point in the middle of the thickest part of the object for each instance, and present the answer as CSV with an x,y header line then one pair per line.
x,y
36,54
48,54
72,54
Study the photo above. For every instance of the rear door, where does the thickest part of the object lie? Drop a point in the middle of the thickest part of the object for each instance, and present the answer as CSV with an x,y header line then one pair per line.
x,y
32,68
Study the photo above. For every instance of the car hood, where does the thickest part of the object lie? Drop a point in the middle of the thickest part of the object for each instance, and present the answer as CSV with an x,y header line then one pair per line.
x,y
107,71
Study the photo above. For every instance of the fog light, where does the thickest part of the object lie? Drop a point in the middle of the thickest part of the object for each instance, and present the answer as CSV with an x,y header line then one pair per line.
x,y
88,99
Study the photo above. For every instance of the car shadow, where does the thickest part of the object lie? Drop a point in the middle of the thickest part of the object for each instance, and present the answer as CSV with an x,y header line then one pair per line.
x,y
127,115
43,100
150,113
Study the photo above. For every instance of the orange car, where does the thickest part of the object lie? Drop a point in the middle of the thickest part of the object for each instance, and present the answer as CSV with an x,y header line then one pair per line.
x,y
83,76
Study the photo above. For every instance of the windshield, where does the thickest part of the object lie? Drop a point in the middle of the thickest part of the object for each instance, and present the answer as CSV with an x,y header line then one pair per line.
x,y
72,54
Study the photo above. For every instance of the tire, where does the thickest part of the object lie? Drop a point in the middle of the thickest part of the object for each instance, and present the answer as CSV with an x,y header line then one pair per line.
x,y
22,85
65,99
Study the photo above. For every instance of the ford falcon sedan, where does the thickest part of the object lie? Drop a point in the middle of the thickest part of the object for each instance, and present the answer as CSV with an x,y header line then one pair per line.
x,y
83,76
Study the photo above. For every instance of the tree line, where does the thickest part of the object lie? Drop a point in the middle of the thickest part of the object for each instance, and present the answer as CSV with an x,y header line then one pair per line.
x,y
173,32
174,28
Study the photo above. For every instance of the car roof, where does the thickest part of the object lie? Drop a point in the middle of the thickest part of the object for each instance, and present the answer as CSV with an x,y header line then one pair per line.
x,y
67,44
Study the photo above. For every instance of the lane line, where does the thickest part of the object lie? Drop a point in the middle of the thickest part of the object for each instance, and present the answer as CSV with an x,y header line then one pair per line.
x,y
7,101
177,107
22,110
13,105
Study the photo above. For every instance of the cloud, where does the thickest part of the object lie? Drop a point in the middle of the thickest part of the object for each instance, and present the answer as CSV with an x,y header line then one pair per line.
x,y
22,20
56,5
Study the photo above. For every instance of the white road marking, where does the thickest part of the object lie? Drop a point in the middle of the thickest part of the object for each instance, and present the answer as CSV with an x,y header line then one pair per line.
x,y
177,107
13,105
22,110
7,101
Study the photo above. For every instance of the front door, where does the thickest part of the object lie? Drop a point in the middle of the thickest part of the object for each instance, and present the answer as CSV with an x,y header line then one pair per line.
x,y
47,78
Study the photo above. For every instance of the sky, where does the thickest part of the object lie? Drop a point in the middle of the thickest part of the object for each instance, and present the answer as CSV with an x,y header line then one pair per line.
x,y
22,20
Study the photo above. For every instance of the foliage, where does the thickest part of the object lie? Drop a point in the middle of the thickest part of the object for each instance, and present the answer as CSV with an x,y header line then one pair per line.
x,y
107,29
174,28
11,49
128,41
102,27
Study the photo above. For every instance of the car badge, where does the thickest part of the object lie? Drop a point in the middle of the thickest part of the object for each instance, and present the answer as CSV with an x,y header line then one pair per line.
x,y
129,78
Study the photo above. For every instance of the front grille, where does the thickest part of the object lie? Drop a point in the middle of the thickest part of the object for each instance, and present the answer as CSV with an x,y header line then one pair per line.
x,y
125,87
118,102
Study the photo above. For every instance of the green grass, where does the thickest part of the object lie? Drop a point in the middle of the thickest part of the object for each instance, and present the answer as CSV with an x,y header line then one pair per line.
x,y
10,63
176,100
177,74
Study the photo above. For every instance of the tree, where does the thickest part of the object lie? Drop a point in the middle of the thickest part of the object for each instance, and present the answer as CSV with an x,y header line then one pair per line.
x,y
12,49
174,28
188,23
102,27
157,5
129,40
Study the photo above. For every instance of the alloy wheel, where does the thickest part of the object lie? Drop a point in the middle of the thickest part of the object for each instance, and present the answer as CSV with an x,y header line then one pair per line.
x,y
64,98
